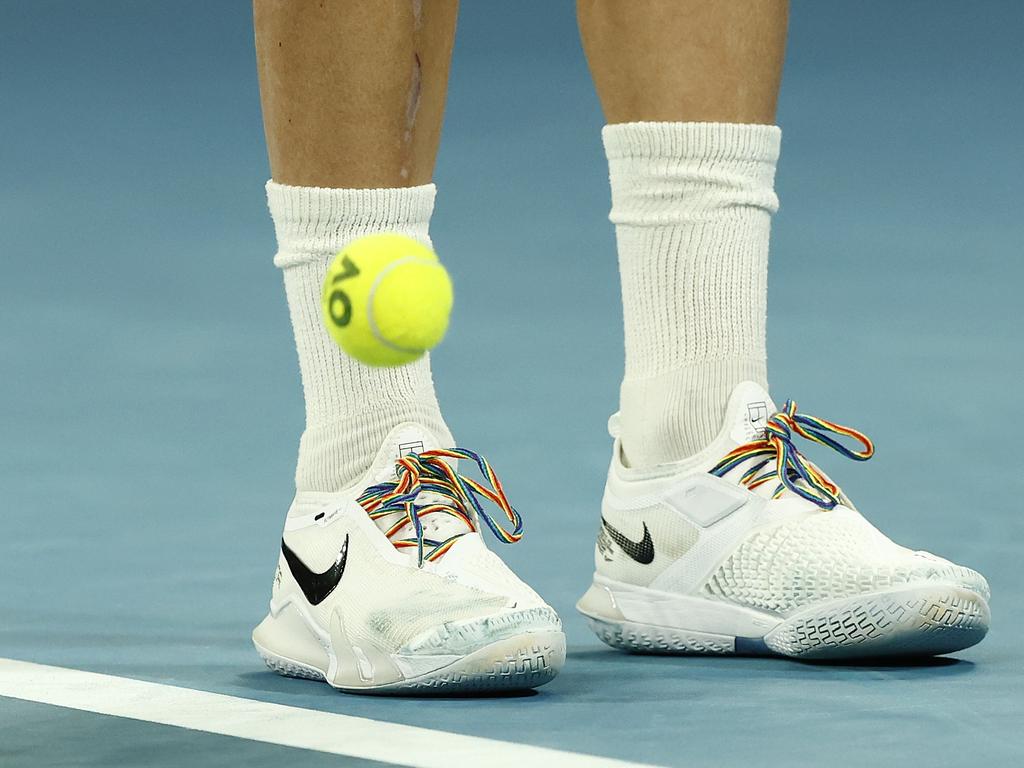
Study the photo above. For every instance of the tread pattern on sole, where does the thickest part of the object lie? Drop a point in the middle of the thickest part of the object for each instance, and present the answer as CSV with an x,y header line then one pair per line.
x,y
646,638
290,668
927,623
906,623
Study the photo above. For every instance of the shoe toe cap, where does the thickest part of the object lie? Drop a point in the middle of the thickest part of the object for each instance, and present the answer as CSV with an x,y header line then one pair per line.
x,y
932,569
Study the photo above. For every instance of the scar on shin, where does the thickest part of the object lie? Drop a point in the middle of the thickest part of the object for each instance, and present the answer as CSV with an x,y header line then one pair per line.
x,y
412,104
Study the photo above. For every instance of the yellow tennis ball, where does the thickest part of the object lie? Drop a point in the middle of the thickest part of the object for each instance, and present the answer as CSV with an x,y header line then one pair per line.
x,y
386,299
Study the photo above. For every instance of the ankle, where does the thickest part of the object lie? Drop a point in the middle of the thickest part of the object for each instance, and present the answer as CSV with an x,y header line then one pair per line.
x,y
335,455
676,414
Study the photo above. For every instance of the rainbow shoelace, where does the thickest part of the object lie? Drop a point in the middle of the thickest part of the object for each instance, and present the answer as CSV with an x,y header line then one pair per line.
x,y
795,472
450,494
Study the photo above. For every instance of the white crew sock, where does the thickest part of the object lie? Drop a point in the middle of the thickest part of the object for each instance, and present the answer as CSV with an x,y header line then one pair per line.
x,y
692,205
350,407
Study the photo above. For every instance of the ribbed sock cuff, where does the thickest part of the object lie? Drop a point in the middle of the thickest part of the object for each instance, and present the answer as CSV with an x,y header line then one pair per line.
x,y
313,221
669,173
693,141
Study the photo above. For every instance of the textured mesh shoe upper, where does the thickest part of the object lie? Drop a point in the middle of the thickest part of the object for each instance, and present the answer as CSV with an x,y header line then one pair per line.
x,y
826,556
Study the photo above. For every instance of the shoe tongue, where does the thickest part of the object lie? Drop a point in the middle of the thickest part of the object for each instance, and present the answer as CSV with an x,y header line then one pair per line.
x,y
748,411
747,416
401,441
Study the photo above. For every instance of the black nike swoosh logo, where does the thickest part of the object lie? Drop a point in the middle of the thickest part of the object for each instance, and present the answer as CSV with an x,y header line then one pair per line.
x,y
642,551
316,586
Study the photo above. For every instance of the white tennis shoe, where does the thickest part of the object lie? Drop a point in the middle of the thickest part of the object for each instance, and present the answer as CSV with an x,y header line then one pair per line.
x,y
749,548
388,587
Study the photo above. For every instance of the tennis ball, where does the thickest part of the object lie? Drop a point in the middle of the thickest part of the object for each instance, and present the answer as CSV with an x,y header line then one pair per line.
x,y
386,299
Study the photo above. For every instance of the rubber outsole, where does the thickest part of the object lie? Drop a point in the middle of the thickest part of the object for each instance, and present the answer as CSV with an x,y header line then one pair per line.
x,y
515,663
922,621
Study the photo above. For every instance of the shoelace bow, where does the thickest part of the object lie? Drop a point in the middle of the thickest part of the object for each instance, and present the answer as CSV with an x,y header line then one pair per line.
x,y
456,495
795,472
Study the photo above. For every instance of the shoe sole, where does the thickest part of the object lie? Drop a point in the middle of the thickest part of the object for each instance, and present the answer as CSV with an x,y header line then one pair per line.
x,y
291,645
515,663
919,621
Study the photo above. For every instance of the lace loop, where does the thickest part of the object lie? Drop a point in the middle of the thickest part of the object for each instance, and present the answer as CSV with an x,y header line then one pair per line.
x,y
794,471
447,492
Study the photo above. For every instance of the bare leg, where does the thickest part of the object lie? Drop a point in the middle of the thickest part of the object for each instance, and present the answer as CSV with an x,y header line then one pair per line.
x,y
353,93
685,60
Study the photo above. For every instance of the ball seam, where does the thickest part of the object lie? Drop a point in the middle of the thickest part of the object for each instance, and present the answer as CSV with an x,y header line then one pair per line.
x,y
373,292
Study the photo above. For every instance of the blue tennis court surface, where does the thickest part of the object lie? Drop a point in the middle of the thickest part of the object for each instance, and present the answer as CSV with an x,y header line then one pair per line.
x,y
150,404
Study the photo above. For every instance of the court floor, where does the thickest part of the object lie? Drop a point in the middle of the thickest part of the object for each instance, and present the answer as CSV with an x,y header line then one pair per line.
x,y
150,560
146,466
146,473
150,405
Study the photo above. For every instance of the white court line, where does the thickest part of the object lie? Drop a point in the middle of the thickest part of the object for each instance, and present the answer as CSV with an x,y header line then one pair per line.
x,y
273,723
